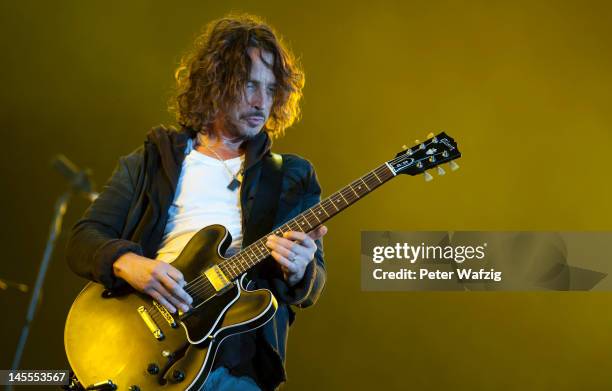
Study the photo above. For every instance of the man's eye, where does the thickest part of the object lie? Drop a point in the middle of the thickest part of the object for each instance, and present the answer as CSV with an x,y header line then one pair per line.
x,y
271,90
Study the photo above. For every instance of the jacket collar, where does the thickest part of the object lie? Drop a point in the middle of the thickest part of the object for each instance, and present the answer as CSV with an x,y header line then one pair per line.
x,y
172,143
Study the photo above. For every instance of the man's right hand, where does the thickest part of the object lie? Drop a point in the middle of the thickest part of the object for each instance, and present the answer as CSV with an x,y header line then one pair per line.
x,y
160,280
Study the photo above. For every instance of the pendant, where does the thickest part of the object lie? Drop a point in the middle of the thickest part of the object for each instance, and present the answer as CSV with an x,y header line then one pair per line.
x,y
234,184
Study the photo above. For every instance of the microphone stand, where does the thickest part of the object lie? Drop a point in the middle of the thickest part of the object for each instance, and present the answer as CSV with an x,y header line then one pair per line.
x,y
79,183
56,227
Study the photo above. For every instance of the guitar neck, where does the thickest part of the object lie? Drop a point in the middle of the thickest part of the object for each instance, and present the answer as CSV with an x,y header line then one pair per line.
x,y
308,220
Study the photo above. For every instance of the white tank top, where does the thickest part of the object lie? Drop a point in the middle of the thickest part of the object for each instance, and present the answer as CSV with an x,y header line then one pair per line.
x,y
201,199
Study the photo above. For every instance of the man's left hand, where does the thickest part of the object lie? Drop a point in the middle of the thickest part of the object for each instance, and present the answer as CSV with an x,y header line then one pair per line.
x,y
294,250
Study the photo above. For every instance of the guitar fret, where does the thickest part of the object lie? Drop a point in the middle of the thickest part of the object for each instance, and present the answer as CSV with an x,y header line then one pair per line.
x,y
337,201
331,211
235,266
244,260
232,268
240,264
343,197
259,250
262,249
311,211
357,195
332,202
371,178
224,267
225,270
321,207
374,172
350,192
257,254
302,223
319,210
290,227
366,185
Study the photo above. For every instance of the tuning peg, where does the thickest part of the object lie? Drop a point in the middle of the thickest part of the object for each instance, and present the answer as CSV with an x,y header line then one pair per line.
x,y
430,135
417,142
453,166
441,171
428,176
404,147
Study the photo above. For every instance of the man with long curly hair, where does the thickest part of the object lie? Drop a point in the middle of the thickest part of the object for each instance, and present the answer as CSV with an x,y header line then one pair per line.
x,y
236,89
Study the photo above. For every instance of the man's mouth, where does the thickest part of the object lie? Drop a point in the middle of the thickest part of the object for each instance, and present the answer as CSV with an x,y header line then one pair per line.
x,y
254,120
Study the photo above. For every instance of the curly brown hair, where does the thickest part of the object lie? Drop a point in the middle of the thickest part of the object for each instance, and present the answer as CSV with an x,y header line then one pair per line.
x,y
212,75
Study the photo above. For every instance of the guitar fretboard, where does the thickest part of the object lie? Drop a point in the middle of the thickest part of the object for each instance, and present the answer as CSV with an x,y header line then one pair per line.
x,y
308,220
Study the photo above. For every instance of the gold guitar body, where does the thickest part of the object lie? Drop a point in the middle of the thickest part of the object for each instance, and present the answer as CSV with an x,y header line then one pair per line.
x,y
133,342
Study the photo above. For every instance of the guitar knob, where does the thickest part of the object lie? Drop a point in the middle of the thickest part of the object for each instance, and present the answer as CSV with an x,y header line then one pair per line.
x,y
153,369
441,171
178,375
428,176
453,166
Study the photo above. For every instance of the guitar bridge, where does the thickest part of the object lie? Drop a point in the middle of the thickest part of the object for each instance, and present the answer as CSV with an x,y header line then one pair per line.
x,y
153,327
165,314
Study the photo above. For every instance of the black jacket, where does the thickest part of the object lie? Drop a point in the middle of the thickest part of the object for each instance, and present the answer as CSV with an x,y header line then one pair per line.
x,y
131,212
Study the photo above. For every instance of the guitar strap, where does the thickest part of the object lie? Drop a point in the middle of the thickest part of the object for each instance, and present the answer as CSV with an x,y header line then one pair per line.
x,y
265,205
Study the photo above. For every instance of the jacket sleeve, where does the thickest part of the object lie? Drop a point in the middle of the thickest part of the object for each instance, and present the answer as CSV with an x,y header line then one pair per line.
x,y
306,292
95,241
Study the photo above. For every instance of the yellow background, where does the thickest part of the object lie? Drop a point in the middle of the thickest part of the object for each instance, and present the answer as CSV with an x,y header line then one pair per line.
x,y
524,87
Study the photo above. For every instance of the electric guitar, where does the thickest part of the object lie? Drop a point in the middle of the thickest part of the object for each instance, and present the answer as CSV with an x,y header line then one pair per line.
x,y
131,342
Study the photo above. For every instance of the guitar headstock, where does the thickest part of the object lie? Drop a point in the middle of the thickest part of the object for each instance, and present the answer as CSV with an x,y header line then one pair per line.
x,y
433,152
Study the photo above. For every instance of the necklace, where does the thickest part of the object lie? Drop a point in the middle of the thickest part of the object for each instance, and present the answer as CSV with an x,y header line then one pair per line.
x,y
236,178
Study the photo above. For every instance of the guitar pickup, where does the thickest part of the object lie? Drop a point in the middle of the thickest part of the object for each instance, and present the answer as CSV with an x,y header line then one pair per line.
x,y
151,325
217,278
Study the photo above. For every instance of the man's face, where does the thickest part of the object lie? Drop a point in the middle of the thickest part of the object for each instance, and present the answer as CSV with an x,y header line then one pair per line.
x,y
246,118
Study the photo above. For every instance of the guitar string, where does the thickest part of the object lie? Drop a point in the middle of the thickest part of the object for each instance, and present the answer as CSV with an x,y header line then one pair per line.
x,y
325,204
367,178
321,203
207,289
208,292
195,282
195,288
370,179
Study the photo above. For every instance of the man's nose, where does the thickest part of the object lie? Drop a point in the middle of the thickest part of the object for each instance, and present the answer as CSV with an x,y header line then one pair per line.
x,y
258,99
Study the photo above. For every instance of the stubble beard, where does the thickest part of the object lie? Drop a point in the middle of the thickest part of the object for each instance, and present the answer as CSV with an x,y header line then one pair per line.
x,y
239,132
